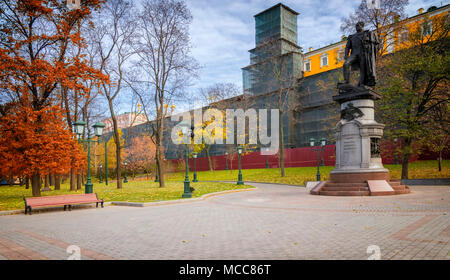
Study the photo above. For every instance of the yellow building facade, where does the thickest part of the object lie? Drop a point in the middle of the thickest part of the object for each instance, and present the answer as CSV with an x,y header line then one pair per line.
x,y
332,56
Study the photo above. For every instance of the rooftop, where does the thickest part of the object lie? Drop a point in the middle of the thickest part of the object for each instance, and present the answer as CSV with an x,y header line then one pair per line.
x,y
279,4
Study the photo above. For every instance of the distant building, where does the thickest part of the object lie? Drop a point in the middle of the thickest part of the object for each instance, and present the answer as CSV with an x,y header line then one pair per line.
x,y
276,42
125,120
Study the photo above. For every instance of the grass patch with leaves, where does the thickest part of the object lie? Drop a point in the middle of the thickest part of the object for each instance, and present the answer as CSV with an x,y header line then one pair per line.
x,y
11,197
300,175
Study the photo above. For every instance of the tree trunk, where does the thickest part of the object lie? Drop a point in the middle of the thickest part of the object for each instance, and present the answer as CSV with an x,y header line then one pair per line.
x,y
117,143
407,143
36,185
209,158
27,182
118,165
440,161
281,147
73,186
52,179
57,182
46,180
78,181
160,170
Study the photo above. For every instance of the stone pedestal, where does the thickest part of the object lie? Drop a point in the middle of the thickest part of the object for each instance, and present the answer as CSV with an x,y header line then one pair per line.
x,y
358,137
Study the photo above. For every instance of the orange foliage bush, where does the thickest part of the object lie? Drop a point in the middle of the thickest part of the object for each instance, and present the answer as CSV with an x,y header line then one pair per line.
x,y
38,142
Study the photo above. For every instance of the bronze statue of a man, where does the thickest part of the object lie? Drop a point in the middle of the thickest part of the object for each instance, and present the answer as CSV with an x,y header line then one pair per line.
x,y
364,46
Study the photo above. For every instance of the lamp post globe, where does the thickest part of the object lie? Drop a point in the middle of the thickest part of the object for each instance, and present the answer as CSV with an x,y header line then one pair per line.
x,y
98,129
78,127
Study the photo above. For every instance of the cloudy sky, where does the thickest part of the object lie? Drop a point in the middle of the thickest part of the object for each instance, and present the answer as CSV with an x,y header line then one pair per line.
x,y
222,32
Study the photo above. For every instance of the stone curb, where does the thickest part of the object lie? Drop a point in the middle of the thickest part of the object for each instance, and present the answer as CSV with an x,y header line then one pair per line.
x,y
256,182
177,201
427,182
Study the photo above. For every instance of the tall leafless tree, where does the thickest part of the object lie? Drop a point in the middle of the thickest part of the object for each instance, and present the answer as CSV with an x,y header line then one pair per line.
x,y
113,37
164,64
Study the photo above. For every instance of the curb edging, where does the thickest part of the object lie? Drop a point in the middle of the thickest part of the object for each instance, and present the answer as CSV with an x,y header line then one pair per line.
x,y
177,201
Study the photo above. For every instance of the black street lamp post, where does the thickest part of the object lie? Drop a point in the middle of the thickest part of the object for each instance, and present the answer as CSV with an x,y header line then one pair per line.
x,y
395,151
194,155
125,180
226,160
266,150
186,131
318,150
156,176
106,162
240,182
101,179
98,129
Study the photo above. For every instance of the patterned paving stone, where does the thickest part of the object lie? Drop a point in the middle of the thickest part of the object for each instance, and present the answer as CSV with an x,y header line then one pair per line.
x,y
273,222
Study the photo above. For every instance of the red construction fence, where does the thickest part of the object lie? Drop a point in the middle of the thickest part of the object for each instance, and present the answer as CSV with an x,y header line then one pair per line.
x,y
295,157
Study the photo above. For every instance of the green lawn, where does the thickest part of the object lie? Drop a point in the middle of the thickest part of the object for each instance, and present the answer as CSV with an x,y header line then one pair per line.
x,y
300,175
141,190
133,191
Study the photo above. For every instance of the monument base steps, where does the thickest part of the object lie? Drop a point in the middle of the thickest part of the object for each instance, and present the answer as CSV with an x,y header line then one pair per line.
x,y
366,186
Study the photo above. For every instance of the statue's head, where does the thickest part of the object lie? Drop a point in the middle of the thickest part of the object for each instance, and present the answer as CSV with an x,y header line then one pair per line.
x,y
360,26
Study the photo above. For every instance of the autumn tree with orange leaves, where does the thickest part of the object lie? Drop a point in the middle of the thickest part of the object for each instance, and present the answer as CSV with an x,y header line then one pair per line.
x,y
140,154
37,143
35,38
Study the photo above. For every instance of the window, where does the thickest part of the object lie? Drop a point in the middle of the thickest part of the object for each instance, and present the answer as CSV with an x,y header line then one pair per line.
x,y
340,55
390,41
427,28
404,36
324,60
308,65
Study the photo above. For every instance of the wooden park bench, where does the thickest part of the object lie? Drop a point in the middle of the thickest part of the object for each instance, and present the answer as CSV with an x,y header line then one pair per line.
x,y
66,200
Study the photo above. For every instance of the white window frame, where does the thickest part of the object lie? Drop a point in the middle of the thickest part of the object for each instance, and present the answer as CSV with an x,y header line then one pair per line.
x,y
427,30
340,55
325,55
404,35
390,41
307,61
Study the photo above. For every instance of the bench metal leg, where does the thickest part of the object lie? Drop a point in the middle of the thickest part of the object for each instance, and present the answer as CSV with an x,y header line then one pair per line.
x,y
70,207
65,206
96,205
29,209
102,204
26,209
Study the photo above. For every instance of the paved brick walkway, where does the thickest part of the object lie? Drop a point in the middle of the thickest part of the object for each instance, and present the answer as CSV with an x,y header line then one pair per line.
x,y
272,222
